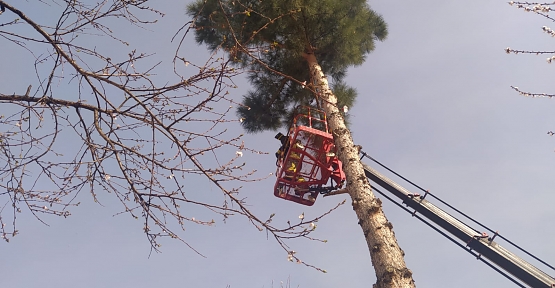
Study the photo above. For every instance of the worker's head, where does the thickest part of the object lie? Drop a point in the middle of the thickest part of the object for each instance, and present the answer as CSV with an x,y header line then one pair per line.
x,y
279,136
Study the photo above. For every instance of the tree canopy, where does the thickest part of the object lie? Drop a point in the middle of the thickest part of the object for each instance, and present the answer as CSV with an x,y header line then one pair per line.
x,y
279,34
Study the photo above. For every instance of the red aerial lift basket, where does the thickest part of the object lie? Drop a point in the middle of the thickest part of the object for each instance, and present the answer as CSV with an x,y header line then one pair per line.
x,y
309,161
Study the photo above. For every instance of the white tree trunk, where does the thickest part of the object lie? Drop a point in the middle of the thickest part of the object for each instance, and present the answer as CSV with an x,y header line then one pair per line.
x,y
387,257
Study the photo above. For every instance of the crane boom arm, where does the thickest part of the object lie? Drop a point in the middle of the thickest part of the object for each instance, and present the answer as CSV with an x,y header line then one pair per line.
x,y
475,240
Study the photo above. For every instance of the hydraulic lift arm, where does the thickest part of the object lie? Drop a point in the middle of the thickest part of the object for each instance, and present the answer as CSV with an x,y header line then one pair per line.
x,y
475,240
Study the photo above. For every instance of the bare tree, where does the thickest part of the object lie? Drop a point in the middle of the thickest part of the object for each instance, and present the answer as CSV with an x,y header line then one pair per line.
x,y
543,10
98,118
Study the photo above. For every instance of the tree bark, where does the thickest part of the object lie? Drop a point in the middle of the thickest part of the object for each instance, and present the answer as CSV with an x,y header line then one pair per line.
x,y
387,257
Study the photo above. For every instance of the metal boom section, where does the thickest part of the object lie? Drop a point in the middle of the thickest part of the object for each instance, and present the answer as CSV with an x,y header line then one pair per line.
x,y
475,240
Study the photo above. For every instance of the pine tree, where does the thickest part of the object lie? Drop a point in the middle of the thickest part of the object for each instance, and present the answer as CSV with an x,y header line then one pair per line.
x,y
288,47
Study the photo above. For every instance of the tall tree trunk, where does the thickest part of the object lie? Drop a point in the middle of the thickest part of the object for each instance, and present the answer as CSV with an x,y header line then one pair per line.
x,y
387,257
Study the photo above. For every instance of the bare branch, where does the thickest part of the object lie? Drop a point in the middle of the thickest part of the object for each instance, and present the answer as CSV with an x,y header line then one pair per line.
x,y
101,121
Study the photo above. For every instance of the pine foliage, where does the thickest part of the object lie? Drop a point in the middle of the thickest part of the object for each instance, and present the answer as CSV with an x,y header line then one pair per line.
x,y
339,32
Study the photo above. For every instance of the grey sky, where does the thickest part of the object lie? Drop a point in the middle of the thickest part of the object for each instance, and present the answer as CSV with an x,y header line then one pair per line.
x,y
434,103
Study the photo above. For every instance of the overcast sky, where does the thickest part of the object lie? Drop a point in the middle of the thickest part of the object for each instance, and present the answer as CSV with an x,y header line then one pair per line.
x,y
435,104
